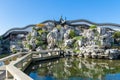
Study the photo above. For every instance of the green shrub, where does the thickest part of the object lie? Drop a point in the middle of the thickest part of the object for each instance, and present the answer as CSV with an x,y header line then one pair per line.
x,y
33,28
0,37
14,51
93,26
29,36
42,31
75,44
29,46
76,51
116,34
72,34
4,55
44,46
38,38
38,42
78,37
97,42
19,42
96,33
115,47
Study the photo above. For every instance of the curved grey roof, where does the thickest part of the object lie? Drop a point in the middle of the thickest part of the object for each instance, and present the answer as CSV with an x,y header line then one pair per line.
x,y
17,29
69,22
93,23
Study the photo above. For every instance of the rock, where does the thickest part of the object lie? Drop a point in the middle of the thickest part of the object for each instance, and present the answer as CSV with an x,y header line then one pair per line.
x,y
80,43
106,40
107,52
32,42
101,30
77,31
89,34
61,36
43,36
49,54
34,33
40,55
94,55
87,55
68,42
52,38
13,46
113,51
38,49
67,27
57,52
114,54
95,40
66,35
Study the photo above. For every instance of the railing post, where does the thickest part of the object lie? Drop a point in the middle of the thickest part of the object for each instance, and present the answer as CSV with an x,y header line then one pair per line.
x,y
6,74
14,78
31,56
22,63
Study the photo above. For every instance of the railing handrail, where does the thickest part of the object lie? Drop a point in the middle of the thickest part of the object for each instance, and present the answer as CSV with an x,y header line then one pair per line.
x,y
19,53
44,51
10,56
16,73
22,58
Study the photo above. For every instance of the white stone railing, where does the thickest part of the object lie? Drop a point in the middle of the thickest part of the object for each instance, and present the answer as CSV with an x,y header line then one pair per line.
x,y
16,73
12,57
13,69
23,62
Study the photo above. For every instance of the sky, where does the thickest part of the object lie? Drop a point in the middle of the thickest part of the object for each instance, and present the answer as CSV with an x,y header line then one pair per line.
x,y
20,13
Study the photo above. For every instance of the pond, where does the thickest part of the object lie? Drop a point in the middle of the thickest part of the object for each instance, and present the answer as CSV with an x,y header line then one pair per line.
x,y
74,68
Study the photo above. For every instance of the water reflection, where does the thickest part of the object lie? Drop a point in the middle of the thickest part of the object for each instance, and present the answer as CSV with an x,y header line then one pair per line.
x,y
73,68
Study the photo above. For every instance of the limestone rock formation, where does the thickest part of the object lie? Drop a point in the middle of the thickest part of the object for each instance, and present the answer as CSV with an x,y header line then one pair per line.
x,y
90,42
52,38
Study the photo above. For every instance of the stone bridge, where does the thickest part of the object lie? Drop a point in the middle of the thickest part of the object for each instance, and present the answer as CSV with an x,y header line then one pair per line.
x,y
13,65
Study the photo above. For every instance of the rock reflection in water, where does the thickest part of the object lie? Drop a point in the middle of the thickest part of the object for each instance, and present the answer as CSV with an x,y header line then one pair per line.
x,y
75,68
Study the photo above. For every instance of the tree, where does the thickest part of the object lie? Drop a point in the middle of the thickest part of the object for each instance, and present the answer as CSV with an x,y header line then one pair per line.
x,y
116,34
0,37
93,26
72,34
38,42
29,46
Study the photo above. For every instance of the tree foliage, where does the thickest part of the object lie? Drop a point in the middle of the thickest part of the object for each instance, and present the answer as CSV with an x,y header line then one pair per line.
x,y
72,34
93,26
38,42
116,34
29,46
0,37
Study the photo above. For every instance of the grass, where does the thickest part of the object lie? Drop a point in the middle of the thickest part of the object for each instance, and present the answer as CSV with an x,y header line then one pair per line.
x,y
4,55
